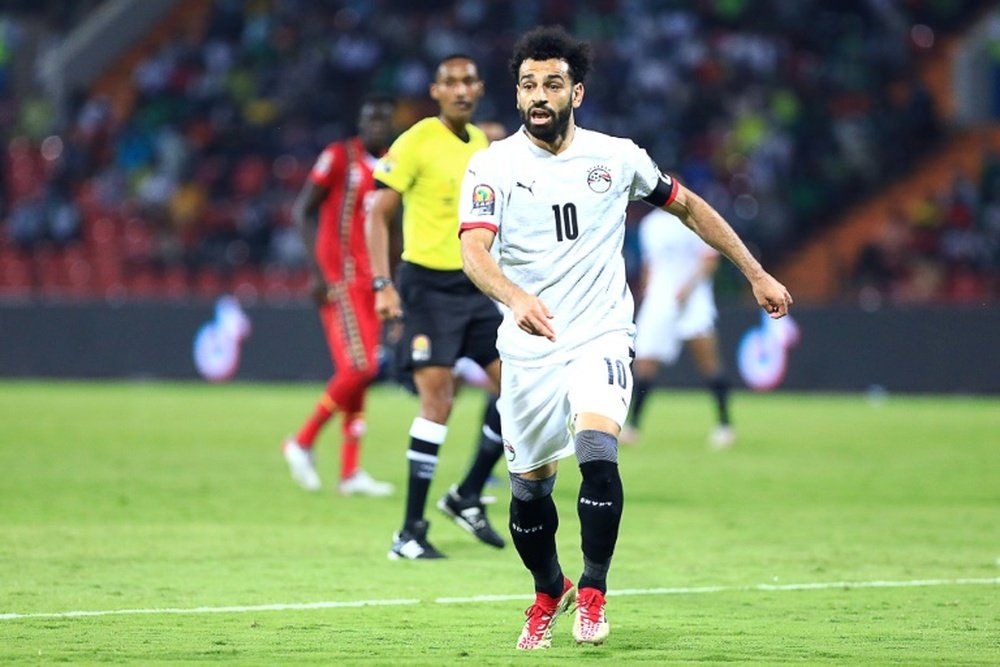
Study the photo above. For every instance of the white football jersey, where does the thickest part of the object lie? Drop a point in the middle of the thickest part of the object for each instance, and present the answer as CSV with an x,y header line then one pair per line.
x,y
671,253
560,223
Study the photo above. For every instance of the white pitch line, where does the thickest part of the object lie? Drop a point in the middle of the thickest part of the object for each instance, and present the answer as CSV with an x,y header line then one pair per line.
x,y
695,590
292,606
758,587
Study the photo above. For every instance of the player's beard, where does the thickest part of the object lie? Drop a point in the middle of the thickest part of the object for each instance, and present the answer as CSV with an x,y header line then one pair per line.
x,y
552,130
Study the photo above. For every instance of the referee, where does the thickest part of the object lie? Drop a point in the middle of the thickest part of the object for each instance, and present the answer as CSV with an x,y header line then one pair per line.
x,y
444,315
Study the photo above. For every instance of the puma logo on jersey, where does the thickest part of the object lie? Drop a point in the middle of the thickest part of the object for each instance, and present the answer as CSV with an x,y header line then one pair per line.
x,y
529,188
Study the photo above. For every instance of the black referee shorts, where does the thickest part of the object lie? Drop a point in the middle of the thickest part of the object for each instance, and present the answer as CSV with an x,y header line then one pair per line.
x,y
445,317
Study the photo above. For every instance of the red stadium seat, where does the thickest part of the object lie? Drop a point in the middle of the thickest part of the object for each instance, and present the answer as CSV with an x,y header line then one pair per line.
x,y
141,282
248,284
101,234
175,283
76,273
209,283
15,274
138,237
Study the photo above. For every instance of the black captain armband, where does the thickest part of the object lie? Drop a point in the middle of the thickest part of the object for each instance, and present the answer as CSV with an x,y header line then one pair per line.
x,y
665,191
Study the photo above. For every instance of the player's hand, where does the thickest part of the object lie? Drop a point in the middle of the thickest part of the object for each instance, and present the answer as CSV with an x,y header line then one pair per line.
x,y
387,303
772,296
533,316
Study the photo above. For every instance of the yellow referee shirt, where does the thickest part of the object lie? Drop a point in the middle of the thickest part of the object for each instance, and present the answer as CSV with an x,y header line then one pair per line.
x,y
426,165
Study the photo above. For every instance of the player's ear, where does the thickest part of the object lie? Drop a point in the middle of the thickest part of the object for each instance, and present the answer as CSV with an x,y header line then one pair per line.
x,y
434,91
577,94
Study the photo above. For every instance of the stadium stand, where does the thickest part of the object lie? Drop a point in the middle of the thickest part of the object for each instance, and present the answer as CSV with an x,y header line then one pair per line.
x,y
171,175
931,236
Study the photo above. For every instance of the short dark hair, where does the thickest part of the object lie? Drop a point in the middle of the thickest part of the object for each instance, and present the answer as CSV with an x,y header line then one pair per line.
x,y
457,56
549,42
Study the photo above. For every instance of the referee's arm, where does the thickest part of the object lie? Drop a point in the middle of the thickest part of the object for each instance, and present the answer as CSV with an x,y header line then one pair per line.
x,y
377,224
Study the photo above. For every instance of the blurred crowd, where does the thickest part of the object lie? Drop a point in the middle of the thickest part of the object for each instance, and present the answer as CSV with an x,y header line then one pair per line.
x,y
946,248
780,112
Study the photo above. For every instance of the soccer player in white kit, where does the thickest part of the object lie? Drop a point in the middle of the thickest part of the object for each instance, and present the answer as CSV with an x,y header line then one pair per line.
x,y
678,308
542,220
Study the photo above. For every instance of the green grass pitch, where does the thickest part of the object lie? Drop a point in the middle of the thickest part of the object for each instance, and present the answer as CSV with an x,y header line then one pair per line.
x,y
147,498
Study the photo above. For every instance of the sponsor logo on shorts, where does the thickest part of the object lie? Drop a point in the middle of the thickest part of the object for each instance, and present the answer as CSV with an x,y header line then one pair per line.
x,y
420,348
599,179
508,450
483,200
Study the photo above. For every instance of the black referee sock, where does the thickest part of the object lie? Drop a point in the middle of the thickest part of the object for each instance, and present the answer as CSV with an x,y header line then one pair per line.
x,y
640,389
487,454
533,527
426,437
600,509
719,386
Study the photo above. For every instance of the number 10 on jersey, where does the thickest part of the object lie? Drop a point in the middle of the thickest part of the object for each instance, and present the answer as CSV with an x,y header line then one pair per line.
x,y
566,225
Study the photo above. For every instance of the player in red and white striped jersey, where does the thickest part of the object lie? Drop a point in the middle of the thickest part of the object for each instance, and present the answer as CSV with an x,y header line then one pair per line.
x,y
330,213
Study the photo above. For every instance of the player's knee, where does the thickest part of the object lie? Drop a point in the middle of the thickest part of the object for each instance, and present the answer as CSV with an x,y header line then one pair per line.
x,y
437,393
354,426
599,476
592,446
529,490
435,407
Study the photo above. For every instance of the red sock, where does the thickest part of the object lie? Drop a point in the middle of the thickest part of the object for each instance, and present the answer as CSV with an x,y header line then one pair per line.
x,y
324,410
353,429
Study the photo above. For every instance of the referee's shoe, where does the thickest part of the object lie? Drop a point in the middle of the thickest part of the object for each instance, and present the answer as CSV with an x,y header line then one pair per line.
x,y
470,514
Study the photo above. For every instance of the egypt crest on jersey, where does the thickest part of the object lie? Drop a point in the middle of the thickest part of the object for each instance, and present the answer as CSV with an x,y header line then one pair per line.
x,y
560,224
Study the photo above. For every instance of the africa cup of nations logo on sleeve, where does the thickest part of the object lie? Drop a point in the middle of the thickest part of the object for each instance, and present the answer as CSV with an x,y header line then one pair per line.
x,y
483,200
599,179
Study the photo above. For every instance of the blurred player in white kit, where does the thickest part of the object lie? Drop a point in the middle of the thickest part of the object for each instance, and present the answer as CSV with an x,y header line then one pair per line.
x,y
678,308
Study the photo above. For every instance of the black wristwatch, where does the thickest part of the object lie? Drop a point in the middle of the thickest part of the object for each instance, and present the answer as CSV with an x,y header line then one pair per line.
x,y
380,283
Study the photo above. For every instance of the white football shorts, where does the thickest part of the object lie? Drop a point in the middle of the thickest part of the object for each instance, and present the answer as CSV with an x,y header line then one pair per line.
x,y
662,325
538,404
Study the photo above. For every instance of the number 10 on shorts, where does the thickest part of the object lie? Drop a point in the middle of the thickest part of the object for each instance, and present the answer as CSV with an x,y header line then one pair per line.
x,y
616,372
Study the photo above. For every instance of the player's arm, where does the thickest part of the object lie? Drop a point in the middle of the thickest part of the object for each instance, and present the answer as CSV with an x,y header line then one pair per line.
x,y
529,312
385,205
305,213
706,222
